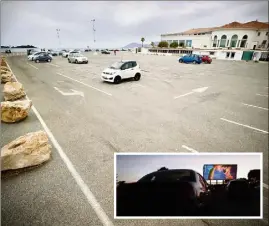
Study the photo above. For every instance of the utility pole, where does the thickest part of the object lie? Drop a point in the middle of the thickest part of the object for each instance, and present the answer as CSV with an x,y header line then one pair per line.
x,y
93,29
58,35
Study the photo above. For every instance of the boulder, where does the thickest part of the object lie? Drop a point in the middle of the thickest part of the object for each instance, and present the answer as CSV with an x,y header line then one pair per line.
x,y
4,68
7,77
13,91
15,111
29,150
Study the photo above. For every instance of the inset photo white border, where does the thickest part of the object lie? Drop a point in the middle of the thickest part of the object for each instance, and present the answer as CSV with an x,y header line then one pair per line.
x,y
262,185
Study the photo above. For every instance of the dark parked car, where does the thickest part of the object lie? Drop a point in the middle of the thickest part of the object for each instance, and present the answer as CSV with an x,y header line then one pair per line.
x,y
105,52
179,192
43,57
238,189
8,51
206,59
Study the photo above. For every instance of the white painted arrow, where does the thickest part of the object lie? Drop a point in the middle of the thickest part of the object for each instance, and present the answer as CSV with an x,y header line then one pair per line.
x,y
75,92
199,90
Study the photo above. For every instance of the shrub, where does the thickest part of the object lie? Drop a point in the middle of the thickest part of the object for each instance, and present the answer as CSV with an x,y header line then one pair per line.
x,y
163,44
174,45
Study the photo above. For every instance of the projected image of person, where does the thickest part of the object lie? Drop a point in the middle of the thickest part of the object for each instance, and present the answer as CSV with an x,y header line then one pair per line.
x,y
216,172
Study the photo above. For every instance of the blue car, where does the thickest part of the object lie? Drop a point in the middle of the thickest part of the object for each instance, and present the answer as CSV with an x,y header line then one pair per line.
x,y
192,58
43,57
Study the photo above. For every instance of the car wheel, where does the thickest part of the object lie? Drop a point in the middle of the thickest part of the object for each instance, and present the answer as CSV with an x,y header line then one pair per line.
x,y
194,62
37,61
49,60
137,77
69,61
180,61
76,61
87,62
117,80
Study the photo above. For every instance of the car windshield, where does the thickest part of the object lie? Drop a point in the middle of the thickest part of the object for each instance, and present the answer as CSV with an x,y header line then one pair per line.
x,y
78,55
169,176
116,65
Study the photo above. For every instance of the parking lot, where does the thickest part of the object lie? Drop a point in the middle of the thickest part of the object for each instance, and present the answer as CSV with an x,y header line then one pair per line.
x,y
218,107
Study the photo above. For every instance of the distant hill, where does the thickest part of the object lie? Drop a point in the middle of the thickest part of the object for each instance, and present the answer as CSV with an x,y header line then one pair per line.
x,y
20,47
138,45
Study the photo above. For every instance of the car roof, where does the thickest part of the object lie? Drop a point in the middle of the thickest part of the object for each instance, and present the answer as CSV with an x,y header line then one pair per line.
x,y
124,61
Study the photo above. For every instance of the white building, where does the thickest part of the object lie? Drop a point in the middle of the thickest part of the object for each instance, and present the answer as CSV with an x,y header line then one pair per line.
x,y
250,35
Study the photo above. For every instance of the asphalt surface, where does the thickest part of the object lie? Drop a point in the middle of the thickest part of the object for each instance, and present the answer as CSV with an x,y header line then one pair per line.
x,y
131,117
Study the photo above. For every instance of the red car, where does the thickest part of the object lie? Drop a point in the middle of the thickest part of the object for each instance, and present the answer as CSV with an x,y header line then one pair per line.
x,y
206,59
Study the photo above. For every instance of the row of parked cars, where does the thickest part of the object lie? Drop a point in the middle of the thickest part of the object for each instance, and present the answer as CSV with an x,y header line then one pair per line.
x,y
181,192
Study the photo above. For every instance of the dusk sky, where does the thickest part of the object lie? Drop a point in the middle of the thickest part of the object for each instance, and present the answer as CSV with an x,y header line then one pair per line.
x,y
133,167
117,23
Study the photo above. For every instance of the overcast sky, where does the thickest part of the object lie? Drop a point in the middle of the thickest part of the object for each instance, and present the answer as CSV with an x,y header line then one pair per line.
x,y
130,168
117,23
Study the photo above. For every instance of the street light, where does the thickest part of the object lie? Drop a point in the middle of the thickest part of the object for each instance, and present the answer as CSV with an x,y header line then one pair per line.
x,y
93,29
58,35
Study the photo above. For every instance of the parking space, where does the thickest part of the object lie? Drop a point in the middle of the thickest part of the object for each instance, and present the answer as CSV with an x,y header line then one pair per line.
x,y
217,109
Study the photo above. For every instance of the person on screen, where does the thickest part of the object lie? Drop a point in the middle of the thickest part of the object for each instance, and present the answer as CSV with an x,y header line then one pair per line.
x,y
227,172
216,173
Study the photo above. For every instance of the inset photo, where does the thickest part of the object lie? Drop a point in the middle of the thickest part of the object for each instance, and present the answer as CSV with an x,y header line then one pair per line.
x,y
183,185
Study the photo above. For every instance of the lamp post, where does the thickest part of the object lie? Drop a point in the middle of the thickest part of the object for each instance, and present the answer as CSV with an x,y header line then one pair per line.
x,y
93,29
58,35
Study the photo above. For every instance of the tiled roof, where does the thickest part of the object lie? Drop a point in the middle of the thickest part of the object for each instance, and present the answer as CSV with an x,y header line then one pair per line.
x,y
235,24
251,24
198,30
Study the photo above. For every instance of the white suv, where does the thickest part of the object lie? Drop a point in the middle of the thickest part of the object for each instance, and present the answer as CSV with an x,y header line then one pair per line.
x,y
77,58
121,70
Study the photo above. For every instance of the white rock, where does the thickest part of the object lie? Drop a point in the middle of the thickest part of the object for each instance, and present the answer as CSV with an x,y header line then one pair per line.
x,y
28,150
7,77
13,91
15,111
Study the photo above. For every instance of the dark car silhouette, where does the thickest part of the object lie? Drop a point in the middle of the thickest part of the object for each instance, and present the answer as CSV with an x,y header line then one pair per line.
x,y
105,52
178,192
43,57
238,189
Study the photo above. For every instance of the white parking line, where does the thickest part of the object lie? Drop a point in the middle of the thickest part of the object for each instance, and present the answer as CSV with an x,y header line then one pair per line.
x,y
82,185
263,95
32,66
189,149
255,106
250,127
54,65
109,94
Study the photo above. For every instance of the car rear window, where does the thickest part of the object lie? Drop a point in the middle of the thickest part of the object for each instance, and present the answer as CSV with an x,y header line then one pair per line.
x,y
134,64
170,176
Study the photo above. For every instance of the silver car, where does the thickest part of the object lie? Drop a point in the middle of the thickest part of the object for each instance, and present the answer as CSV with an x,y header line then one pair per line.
x,y
77,58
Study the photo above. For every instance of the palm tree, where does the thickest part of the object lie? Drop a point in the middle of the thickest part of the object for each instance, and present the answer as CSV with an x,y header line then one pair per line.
x,y
152,44
142,40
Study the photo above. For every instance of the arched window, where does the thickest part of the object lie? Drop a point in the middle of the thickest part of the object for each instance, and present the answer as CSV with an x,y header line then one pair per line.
x,y
244,41
215,41
223,40
233,41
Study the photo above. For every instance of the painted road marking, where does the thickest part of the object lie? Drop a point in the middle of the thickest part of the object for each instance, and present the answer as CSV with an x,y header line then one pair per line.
x,y
74,92
109,94
255,106
199,90
263,95
32,66
250,127
82,185
54,65
189,149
